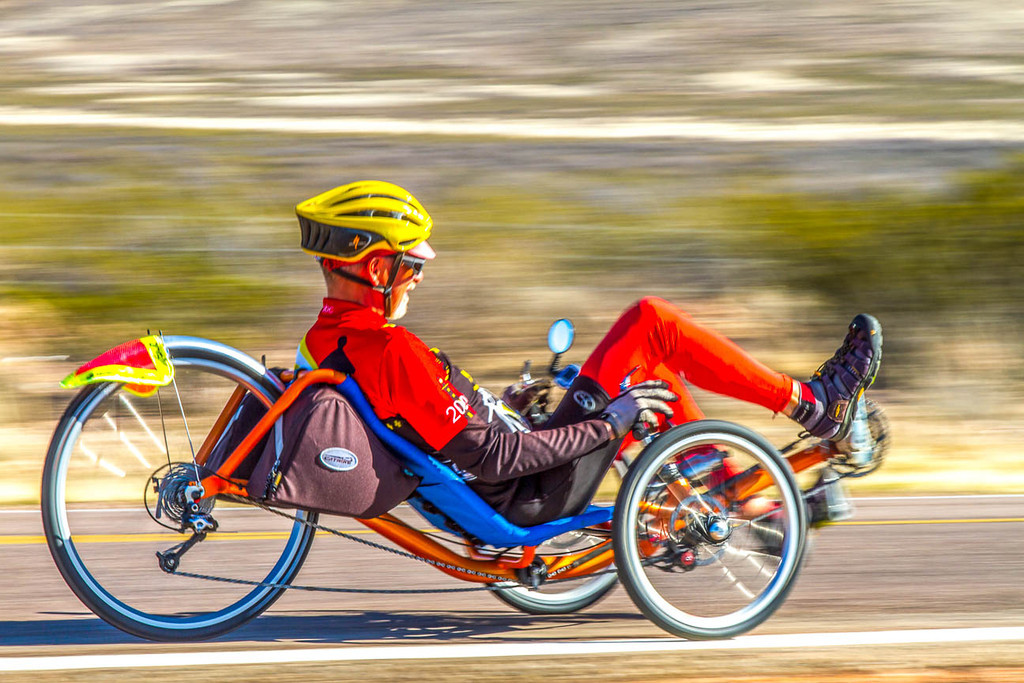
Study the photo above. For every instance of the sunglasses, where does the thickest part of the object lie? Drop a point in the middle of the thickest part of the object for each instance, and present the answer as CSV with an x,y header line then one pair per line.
x,y
415,263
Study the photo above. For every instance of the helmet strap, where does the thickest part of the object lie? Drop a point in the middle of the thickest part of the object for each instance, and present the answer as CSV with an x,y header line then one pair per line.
x,y
354,278
385,290
392,276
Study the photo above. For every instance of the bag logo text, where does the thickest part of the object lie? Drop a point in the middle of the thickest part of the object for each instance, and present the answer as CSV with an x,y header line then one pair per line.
x,y
338,459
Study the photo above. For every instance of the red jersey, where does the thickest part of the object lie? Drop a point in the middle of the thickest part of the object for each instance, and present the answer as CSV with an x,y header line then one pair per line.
x,y
416,390
398,373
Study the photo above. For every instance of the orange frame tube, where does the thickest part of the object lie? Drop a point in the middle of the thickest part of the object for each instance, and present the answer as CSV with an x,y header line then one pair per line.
x,y
749,483
418,543
218,427
594,559
220,482
390,527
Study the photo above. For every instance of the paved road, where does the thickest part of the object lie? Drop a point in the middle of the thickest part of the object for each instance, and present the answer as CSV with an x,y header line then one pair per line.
x,y
901,564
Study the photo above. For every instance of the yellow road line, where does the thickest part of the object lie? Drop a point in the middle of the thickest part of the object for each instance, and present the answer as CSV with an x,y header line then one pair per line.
x,y
266,536
895,522
168,537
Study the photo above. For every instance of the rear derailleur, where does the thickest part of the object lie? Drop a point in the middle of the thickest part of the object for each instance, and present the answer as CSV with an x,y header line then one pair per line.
x,y
170,559
180,499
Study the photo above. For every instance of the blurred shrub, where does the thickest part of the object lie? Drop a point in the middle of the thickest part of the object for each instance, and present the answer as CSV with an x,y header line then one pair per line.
x,y
197,260
923,256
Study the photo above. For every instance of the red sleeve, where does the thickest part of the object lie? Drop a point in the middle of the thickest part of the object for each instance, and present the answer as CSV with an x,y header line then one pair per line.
x,y
421,392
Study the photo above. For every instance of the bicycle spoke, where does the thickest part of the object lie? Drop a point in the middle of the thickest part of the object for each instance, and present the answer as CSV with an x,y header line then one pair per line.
x,y
102,462
767,530
751,557
135,413
735,580
126,441
721,565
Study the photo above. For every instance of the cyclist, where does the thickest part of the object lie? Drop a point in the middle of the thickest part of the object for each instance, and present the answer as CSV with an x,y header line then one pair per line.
x,y
370,238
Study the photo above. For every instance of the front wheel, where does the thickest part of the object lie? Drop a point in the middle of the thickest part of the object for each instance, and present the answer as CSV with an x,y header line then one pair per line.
x,y
709,530
103,458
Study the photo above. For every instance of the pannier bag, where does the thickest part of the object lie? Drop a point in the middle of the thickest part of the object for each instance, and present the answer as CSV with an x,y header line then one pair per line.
x,y
319,456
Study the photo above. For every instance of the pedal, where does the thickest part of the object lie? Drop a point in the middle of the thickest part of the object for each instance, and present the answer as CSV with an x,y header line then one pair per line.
x,y
828,501
859,445
864,448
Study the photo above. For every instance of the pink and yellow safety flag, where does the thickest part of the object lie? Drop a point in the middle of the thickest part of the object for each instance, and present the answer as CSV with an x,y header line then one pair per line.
x,y
141,364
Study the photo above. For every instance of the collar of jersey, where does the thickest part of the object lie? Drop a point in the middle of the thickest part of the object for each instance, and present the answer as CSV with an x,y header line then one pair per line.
x,y
339,309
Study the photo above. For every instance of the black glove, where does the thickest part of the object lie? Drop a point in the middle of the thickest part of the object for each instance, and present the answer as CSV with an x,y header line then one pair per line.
x,y
521,395
639,403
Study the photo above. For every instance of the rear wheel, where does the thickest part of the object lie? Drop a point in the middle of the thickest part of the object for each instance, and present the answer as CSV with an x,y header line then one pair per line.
x,y
101,462
709,530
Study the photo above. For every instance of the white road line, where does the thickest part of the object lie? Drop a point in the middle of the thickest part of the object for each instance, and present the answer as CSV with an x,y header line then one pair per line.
x,y
490,650
946,497
837,129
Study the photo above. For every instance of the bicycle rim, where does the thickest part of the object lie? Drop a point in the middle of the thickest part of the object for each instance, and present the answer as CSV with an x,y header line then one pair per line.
x,y
101,459
709,564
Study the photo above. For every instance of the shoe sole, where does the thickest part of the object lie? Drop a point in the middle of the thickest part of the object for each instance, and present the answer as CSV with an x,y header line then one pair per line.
x,y
874,328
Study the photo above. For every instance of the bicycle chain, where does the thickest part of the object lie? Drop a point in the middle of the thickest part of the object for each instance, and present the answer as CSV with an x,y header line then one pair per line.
x,y
400,553
379,546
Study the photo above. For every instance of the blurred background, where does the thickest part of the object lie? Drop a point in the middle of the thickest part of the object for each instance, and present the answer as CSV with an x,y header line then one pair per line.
x,y
773,168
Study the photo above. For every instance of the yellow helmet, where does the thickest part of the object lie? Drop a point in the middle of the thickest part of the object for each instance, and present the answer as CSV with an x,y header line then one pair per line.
x,y
351,221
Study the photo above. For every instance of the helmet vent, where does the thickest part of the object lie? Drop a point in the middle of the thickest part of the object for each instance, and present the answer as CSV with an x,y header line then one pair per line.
x,y
397,215
371,196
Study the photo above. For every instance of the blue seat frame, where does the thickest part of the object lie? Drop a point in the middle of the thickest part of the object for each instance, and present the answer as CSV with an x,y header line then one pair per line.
x,y
446,491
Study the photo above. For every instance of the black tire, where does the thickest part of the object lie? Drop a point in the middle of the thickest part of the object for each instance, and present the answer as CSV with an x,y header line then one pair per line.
x,y
121,581
708,566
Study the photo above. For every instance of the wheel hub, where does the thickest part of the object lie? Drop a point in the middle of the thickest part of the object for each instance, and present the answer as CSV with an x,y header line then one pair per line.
x,y
706,521
717,528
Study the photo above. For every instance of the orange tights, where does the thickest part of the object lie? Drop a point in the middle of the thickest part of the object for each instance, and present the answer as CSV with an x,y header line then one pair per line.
x,y
667,344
